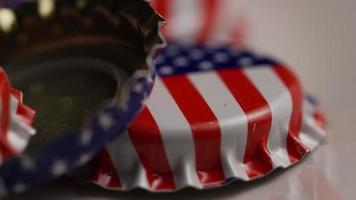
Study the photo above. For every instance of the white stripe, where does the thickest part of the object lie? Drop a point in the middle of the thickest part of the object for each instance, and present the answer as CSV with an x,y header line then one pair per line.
x,y
176,134
127,163
280,102
311,134
186,18
13,104
231,118
15,140
19,133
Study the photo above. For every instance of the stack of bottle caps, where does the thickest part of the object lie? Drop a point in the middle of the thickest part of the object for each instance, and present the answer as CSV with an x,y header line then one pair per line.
x,y
217,112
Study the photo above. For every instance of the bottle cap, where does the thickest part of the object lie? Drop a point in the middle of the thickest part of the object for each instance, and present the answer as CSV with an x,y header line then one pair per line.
x,y
85,67
216,114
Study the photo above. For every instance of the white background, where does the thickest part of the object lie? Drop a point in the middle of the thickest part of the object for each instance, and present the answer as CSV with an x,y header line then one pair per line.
x,y
318,39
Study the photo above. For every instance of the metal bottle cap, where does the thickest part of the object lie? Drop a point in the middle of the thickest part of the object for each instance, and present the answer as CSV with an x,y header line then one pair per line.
x,y
71,58
216,114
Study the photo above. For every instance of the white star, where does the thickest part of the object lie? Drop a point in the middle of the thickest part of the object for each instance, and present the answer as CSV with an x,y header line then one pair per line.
x,y
105,121
245,61
19,188
86,137
220,58
160,59
59,167
27,163
206,65
138,88
181,62
196,54
124,100
149,79
166,70
84,159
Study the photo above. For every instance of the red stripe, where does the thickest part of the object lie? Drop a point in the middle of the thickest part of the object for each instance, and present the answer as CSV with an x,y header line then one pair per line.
x,y
17,94
320,119
295,148
5,148
209,18
24,112
204,126
146,138
163,7
104,172
257,157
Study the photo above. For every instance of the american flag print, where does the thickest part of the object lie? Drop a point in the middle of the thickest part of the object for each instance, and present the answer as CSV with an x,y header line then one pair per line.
x,y
203,20
216,114
15,120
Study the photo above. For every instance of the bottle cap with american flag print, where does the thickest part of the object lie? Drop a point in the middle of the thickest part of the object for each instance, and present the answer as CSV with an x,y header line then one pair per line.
x,y
216,114
16,120
84,66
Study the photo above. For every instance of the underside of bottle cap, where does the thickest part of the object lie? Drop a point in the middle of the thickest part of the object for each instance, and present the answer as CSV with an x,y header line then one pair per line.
x,y
79,64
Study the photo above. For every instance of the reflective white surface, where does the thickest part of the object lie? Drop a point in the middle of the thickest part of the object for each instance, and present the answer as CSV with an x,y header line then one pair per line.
x,y
317,38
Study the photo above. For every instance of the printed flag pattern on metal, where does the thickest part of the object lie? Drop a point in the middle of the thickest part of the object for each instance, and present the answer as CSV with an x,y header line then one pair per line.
x,y
216,114
15,120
